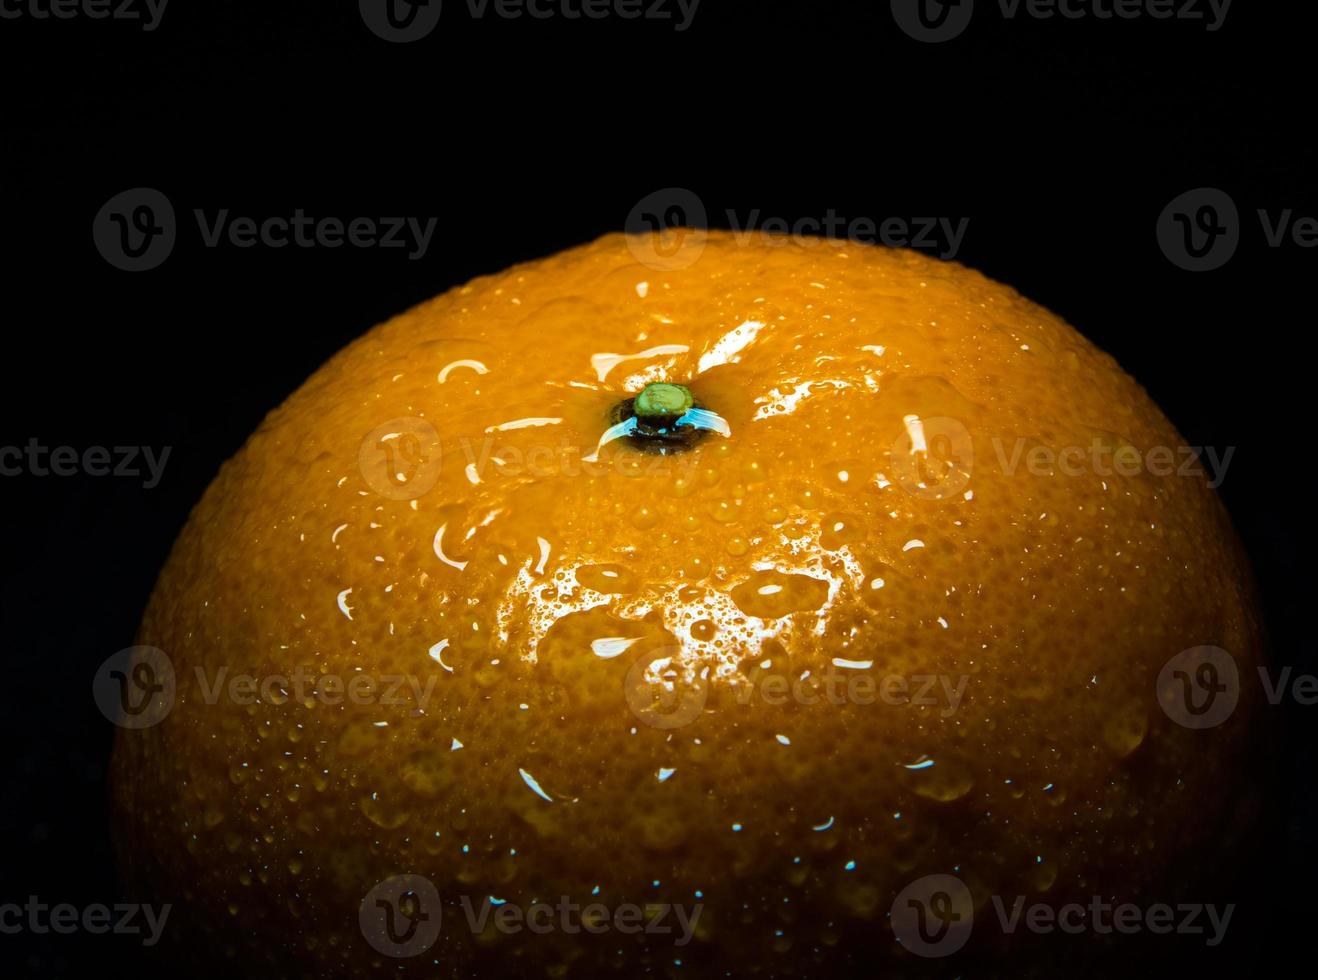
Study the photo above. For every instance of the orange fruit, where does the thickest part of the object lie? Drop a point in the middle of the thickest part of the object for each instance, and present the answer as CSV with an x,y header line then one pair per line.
x,y
871,621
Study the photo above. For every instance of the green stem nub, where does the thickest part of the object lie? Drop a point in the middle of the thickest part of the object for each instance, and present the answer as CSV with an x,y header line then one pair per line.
x,y
662,401
659,419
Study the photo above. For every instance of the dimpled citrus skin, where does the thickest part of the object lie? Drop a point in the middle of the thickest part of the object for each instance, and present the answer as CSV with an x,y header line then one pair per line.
x,y
802,537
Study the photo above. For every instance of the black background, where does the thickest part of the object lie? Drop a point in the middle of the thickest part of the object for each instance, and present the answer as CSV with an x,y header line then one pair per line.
x,y
1061,142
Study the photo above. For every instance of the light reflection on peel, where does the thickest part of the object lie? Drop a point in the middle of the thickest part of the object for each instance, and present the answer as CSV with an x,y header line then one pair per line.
x,y
439,550
727,347
534,605
603,363
437,654
468,363
526,423
608,647
778,402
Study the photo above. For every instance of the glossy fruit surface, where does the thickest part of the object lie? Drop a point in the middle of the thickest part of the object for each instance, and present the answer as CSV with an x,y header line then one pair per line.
x,y
904,614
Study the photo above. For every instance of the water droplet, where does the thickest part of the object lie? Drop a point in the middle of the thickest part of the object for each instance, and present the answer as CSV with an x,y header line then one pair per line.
x,y
382,814
659,828
703,629
361,738
942,780
724,511
772,595
1045,875
610,580
1124,731
837,530
644,517
426,773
